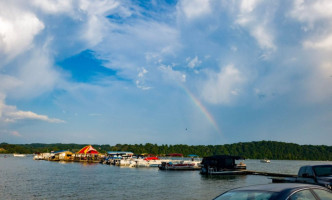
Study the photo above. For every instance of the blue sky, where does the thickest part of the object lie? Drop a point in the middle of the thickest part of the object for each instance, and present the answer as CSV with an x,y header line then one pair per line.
x,y
166,72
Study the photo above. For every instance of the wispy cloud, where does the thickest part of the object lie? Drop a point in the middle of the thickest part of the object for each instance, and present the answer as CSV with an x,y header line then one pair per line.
x,y
221,87
322,44
311,11
10,114
258,23
11,133
140,81
192,63
194,8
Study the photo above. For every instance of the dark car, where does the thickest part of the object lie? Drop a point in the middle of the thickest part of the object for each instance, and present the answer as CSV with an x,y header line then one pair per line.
x,y
316,174
278,191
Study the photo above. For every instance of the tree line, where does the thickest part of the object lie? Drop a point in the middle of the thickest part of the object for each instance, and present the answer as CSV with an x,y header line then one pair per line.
x,y
253,150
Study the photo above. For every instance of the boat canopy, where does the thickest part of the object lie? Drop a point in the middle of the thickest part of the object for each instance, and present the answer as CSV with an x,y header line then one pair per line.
x,y
88,150
151,158
62,151
221,161
120,153
192,155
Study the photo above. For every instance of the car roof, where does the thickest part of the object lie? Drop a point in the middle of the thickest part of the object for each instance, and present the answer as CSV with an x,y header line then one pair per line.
x,y
277,187
322,165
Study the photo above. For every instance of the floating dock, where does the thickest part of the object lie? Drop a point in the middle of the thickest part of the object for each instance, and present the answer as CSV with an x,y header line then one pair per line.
x,y
249,172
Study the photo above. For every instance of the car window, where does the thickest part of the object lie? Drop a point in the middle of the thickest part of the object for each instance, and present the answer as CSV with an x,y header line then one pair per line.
x,y
303,195
301,171
323,194
309,171
245,195
323,170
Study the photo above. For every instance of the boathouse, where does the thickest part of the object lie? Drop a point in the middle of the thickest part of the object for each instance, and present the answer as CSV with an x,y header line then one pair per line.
x,y
219,163
63,155
87,154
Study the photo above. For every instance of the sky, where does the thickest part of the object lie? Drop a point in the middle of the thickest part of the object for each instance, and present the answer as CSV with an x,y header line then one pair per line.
x,y
196,72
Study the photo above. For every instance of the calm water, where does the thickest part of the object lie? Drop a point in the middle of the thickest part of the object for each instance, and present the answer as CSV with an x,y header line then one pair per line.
x,y
25,178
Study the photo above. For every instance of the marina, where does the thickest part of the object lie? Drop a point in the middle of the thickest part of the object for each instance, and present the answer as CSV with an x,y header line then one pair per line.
x,y
223,165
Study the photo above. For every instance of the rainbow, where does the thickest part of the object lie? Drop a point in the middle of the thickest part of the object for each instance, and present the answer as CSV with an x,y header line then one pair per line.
x,y
202,109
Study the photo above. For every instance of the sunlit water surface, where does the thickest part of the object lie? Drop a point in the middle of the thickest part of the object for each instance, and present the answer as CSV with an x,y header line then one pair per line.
x,y
25,178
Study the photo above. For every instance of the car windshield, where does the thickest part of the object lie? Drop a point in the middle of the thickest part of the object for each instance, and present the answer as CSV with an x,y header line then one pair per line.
x,y
245,195
323,170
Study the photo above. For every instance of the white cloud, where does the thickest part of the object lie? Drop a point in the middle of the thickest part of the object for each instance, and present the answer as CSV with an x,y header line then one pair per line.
x,y
54,6
316,19
195,8
10,114
8,83
35,76
222,87
192,63
322,44
247,6
312,11
263,37
18,28
172,76
96,27
142,72
257,22
140,81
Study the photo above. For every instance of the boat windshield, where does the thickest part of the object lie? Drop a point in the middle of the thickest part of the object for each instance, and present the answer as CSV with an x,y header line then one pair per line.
x,y
245,195
323,170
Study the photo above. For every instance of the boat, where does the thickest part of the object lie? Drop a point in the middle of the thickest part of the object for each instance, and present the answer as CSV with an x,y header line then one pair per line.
x,y
41,156
19,155
222,165
241,165
182,165
265,161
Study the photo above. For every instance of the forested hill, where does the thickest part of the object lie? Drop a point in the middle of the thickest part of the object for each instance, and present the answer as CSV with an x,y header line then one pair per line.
x,y
252,150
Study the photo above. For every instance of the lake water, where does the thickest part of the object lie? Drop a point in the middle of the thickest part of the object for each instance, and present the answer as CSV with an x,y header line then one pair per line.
x,y
25,178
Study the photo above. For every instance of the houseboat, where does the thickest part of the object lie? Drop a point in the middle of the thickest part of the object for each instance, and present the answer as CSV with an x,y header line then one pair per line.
x,y
222,165
119,158
180,165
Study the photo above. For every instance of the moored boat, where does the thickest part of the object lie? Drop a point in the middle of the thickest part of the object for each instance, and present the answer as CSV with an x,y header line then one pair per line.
x,y
179,166
41,156
222,165
19,155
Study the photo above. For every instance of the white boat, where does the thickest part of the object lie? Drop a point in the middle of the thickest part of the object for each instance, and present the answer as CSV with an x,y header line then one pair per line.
x,y
18,155
265,161
41,156
179,166
125,162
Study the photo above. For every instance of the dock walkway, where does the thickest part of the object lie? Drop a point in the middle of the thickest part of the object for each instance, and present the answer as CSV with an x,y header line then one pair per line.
x,y
249,172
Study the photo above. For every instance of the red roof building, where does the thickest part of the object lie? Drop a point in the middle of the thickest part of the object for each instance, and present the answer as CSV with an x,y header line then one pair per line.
x,y
88,150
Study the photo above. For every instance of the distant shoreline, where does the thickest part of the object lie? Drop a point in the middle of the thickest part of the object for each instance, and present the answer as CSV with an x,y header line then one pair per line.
x,y
272,150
